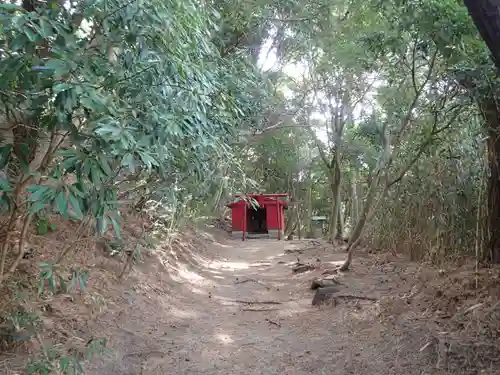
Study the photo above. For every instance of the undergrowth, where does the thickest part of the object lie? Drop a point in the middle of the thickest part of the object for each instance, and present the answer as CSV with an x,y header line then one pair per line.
x,y
22,321
40,310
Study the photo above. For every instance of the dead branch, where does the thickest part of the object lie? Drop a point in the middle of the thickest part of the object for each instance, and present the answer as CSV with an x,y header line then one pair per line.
x,y
132,254
273,322
79,233
351,296
22,241
299,268
258,302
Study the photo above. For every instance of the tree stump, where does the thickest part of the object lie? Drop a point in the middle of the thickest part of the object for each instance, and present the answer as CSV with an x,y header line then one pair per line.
x,y
324,296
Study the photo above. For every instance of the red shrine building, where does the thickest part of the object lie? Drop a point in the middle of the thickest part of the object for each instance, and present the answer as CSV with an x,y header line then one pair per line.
x,y
258,215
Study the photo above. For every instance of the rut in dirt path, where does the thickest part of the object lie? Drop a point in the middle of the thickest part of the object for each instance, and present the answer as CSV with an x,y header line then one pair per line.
x,y
245,312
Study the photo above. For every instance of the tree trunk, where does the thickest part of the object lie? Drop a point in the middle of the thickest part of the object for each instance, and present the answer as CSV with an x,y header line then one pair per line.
x,y
339,235
347,212
492,119
355,200
299,221
381,168
358,229
486,17
221,191
335,186
290,228
308,221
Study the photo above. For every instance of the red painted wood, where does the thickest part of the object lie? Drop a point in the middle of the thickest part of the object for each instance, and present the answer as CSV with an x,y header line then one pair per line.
x,y
274,212
261,195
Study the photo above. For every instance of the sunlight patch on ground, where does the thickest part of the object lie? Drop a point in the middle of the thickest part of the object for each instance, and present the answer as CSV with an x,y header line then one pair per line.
x,y
296,307
275,256
259,264
215,272
183,274
294,311
335,263
224,338
208,235
183,313
222,245
198,291
226,301
229,265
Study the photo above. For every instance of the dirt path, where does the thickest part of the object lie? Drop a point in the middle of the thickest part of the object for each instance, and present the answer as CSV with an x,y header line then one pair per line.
x,y
195,320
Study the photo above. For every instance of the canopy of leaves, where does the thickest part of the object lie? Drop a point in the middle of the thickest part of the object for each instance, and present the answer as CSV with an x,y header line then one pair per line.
x,y
125,93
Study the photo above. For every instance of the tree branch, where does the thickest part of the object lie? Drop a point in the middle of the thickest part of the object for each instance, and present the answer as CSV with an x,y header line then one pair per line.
x,y
423,147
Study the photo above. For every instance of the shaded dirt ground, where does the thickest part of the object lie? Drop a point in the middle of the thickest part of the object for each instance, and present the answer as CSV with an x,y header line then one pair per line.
x,y
206,304
199,314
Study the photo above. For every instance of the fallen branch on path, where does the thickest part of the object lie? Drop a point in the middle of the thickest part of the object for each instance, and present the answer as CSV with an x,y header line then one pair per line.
x,y
328,295
258,302
144,354
350,296
253,309
272,322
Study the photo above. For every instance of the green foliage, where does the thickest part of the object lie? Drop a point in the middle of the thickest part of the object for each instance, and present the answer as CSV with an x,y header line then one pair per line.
x,y
51,280
23,323
43,226
400,77
160,104
136,95
53,361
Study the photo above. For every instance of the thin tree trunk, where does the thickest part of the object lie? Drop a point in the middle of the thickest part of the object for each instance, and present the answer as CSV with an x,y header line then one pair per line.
x,y
290,229
380,170
336,180
308,221
299,223
340,226
358,229
217,199
347,212
216,208
355,200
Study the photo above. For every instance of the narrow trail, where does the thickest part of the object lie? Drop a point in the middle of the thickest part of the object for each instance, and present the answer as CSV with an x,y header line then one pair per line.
x,y
205,318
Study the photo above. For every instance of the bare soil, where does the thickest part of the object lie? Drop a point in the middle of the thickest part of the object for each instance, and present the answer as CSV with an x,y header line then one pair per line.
x,y
225,306
239,309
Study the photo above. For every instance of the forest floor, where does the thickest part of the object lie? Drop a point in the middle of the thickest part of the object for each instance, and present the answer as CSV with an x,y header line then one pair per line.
x,y
234,307
202,316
